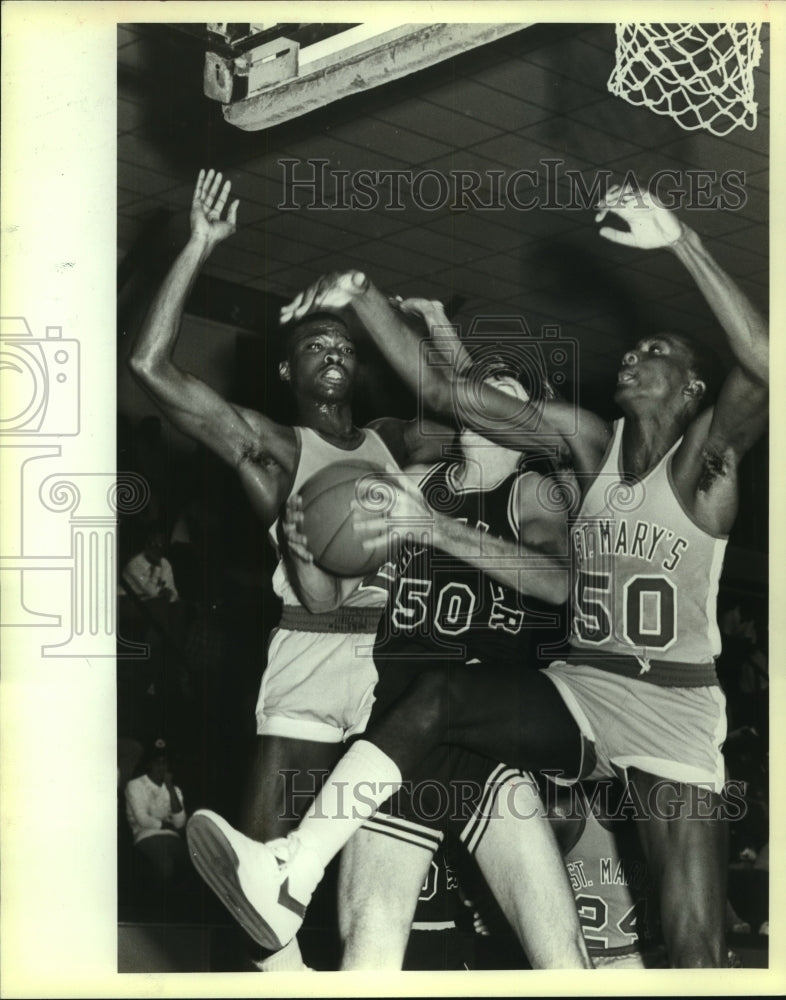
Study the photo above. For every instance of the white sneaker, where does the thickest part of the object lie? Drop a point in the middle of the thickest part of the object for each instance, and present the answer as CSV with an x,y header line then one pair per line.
x,y
253,880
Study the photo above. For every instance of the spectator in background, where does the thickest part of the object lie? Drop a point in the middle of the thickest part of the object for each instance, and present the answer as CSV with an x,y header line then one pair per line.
x,y
149,578
743,669
149,574
156,815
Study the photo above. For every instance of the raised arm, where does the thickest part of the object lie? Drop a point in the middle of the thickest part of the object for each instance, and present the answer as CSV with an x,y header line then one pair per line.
x,y
440,371
234,433
739,415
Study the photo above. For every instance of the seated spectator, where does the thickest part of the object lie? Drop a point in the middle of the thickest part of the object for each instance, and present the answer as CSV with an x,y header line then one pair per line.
x,y
152,612
148,574
157,815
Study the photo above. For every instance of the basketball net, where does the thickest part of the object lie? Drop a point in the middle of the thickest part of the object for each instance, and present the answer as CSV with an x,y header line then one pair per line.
x,y
701,75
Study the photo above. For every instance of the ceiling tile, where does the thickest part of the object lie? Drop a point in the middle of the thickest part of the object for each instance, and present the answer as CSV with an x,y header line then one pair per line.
x,y
435,244
573,56
445,124
251,212
757,205
528,151
132,148
470,282
126,33
146,182
753,238
126,198
491,106
134,55
476,230
130,115
303,226
367,225
407,261
288,281
760,180
717,154
340,155
371,133
505,266
265,191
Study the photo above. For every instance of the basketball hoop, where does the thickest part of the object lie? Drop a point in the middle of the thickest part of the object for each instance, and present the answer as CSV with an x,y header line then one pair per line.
x,y
701,75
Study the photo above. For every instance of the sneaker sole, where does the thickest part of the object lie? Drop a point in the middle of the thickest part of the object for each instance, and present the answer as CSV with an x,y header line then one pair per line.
x,y
216,861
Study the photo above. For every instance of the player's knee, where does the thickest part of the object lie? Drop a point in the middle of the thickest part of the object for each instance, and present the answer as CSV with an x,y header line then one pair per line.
x,y
431,699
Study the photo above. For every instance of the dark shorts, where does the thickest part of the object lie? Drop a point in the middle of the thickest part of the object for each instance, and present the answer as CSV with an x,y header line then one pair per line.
x,y
452,790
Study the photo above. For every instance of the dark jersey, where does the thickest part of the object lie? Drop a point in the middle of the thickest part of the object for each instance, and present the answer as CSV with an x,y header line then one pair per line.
x,y
440,607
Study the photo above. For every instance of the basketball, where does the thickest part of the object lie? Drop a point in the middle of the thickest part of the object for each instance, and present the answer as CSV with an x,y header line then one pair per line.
x,y
327,518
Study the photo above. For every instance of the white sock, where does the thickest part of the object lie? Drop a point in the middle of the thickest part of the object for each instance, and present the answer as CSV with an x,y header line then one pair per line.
x,y
287,959
363,779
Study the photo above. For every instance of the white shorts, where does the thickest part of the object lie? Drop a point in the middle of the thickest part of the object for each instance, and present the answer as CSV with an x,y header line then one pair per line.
x,y
317,685
673,733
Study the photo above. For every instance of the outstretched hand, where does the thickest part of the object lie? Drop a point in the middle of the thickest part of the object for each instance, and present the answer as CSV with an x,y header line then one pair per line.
x,y
207,207
430,311
332,291
651,225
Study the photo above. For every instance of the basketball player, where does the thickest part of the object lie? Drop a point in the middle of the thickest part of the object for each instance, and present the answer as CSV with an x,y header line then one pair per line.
x,y
608,874
442,608
317,689
659,496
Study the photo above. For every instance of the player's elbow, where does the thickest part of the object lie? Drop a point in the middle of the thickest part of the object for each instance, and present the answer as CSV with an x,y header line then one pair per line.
x,y
153,372
141,365
326,600
321,606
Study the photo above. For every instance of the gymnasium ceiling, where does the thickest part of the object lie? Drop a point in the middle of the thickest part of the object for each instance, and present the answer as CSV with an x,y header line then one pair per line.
x,y
537,94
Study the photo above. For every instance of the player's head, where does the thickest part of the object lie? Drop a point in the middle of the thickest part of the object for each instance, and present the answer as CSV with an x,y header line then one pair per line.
x,y
503,374
320,358
669,369
509,372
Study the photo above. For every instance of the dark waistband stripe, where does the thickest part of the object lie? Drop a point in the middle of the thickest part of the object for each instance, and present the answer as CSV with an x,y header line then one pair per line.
x,y
348,620
664,673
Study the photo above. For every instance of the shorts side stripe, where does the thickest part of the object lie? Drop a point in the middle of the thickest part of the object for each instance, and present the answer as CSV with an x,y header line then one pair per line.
x,y
476,825
404,830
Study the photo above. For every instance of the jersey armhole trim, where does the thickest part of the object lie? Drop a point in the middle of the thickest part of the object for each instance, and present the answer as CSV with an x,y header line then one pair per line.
x,y
296,463
381,441
513,501
710,534
616,428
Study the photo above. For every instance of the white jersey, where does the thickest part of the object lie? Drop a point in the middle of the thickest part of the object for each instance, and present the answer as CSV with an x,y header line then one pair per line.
x,y
646,575
315,453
